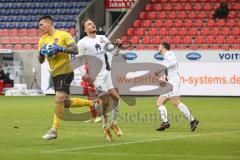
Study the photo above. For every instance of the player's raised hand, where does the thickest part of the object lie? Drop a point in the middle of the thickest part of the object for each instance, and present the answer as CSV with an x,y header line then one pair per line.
x,y
118,43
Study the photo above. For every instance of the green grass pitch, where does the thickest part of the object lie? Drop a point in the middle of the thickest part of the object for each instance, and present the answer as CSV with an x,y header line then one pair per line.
x,y
23,120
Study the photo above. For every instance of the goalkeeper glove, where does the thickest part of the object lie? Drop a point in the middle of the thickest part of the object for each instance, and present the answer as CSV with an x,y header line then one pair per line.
x,y
54,48
43,51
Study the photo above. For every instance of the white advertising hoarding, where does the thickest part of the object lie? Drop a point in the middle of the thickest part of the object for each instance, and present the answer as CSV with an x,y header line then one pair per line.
x,y
203,72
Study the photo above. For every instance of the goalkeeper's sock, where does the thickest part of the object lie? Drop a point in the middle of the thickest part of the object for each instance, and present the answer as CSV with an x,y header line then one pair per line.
x,y
78,102
59,110
115,110
185,111
163,113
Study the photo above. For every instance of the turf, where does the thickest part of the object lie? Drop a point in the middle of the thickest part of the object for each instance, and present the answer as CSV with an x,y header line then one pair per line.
x,y
23,120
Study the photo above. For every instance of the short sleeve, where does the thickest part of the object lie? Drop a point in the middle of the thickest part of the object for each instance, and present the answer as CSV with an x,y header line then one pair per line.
x,y
81,48
68,38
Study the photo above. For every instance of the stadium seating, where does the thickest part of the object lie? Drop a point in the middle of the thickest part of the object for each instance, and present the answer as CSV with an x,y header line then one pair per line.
x,y
185,24
19,20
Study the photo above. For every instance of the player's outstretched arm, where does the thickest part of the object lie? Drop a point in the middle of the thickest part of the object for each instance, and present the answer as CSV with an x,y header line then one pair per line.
x,y
72,49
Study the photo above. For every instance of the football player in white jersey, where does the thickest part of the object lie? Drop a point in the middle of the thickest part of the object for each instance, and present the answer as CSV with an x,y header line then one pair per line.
x,y
95,50
171,76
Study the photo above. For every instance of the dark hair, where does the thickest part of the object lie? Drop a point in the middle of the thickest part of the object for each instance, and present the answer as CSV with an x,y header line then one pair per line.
x,y
166,45
83,23
45,17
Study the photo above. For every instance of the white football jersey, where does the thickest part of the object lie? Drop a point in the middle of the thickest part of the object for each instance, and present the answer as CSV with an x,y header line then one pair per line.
x,y
170,62
95,47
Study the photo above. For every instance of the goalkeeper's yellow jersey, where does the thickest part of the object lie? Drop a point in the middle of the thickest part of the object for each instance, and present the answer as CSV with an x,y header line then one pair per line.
x,y
60,62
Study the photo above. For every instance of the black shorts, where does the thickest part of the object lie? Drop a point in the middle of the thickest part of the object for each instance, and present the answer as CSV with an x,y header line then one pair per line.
x,y
62,82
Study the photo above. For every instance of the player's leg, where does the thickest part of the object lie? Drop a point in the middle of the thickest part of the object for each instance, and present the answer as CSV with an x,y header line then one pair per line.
x,y
62,88
105,106
59,111
115,110
185,111
163,113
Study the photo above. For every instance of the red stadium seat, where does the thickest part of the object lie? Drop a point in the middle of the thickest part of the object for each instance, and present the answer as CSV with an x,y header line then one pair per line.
x,y
146,40
207,7
22,32
162,15
181,15
142,15
205,31
167,7
134,40
17,47
158,23
202,14
32,32
198,23
187,7
191,15
13,32
149,8
188,23
220,23
197,7
236,6
178,7
172,15
5,40
130,32
24,40
162,31
176,40
154,1
152,15
219,40
236,31
136,23
225,31
198,40
178,23
209,40
147,23
210,23
173,31
230,23
230,40
140,32
237,40
215,31
14,40
157,7
124,38
27,47
167,23
152,32
173,1
156,40
187,40
192,31
182,31
232,14
34,40
167,39
193,1
3,32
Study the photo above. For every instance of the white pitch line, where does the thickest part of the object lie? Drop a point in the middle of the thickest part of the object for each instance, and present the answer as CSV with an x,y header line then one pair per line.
x,y
155,155
134,142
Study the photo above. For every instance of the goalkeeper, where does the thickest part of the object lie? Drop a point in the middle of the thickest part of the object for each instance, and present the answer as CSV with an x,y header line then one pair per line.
x,y
56,45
